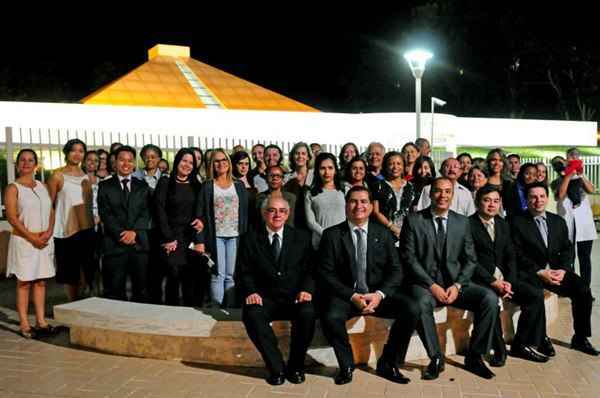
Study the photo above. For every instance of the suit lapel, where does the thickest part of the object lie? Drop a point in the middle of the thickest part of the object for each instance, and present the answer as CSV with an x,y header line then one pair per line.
x,y
533,229
264,245
372,238
452,232
430,230
349,247
285,245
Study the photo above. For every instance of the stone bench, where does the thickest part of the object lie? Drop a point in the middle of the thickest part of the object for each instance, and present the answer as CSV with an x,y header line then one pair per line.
x,y
218,337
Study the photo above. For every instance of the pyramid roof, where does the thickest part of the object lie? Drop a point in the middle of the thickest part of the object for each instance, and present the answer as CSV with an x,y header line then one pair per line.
x,y
172,78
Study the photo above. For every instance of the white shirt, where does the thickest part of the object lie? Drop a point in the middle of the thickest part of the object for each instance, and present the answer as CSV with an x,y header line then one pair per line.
x,y
444,221
365,228
151,180
270,234
462,200
121,178
353,227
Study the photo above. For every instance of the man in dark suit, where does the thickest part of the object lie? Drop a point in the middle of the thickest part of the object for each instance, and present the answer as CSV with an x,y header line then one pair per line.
x,y
497,270
543,249
438,250
274,275
360,273
123,204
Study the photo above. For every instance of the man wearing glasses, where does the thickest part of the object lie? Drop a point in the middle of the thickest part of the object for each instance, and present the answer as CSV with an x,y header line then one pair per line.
x,y
274,275
275,177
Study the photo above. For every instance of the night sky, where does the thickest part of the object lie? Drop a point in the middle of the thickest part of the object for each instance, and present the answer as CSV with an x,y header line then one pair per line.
x,y
490,59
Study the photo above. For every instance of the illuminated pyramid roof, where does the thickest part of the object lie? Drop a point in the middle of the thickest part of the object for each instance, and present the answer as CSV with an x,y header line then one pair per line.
x,y
171,78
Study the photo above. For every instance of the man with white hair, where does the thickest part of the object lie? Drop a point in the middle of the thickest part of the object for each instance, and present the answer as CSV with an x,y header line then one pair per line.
x,y
274,274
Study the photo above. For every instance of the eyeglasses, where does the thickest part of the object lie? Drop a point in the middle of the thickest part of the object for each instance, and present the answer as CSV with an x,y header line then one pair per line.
x,y
274,176
273,211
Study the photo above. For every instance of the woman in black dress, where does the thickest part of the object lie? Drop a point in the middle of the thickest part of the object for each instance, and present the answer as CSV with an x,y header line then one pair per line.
x,y
175,201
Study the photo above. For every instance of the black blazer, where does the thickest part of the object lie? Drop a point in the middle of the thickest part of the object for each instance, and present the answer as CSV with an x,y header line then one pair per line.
x,y
419,253
499,253
532,254
258,272
205,210
337,259
118,216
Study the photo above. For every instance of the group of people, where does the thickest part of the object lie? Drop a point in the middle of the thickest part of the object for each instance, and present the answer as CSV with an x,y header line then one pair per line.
x,y
326,237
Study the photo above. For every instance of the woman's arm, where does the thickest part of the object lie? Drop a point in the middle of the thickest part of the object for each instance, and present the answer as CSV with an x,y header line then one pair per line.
x,y
55,184
11,197
311,219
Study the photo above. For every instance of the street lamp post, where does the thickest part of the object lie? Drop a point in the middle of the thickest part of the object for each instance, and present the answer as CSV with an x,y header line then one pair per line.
x,y
439,102
416,60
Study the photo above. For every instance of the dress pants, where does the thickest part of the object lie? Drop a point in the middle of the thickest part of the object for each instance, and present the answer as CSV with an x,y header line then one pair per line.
x,y
575,288
531,328
257,319
481,301
399,307
584,254
115,269
156,272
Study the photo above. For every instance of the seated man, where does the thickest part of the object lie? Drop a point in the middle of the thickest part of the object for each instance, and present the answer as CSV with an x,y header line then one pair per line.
x,y
543,249
438,248
497,270
275,277
361,274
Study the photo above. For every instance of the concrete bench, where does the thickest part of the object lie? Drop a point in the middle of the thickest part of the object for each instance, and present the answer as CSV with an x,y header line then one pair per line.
x,y
218,337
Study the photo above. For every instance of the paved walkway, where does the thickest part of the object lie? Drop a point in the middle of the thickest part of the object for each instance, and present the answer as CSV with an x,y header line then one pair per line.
x,y
52,368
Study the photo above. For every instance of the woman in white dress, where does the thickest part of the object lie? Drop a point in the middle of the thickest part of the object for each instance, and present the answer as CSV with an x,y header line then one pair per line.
x,y
31,249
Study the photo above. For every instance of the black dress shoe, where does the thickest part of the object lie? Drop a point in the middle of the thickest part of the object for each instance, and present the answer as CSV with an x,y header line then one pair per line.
x,y
390,372
343,376
475,365
583,345
528,353
547,348
295,376
498,359
276,379
433,370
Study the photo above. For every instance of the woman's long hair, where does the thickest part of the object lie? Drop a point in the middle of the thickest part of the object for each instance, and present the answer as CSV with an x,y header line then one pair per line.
x,y
191,177
317,184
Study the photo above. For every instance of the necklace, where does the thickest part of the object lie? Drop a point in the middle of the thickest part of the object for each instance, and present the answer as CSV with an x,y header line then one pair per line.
x,y
181,179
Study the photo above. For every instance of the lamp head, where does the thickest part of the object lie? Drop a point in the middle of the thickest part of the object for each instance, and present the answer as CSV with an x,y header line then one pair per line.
x,y
438,102
416,60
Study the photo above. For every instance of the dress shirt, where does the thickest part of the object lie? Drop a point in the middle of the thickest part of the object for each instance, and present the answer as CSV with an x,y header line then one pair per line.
x,y
270,234
365,228
121,178
462,200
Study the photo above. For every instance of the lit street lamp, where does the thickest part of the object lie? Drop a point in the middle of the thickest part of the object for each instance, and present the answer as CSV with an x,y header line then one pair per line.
x,y
439,102
416,60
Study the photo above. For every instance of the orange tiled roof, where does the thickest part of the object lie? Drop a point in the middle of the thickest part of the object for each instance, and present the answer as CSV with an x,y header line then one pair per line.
x,y
171,78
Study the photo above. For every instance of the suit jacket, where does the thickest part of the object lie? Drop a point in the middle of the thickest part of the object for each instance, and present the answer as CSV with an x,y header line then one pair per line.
x,y
118,215
257,271
421,257
491,254
337,261
532,254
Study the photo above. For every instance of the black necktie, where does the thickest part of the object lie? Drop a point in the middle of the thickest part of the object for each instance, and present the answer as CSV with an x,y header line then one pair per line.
x,y
124,181
440,236
276,247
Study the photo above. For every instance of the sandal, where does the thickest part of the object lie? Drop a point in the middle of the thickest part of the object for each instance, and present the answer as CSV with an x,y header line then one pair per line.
x,y
47,330
28,334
